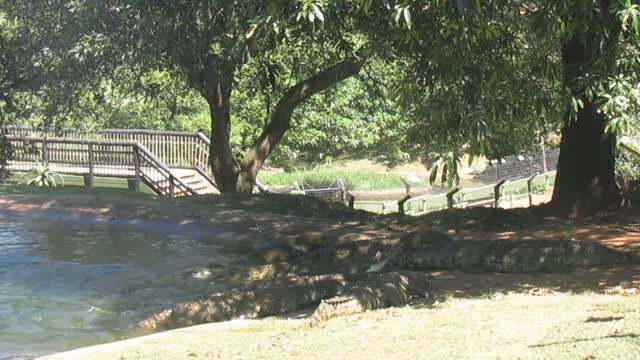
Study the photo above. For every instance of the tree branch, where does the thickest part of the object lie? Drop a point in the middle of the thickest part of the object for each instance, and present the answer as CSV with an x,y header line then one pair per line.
x,y
281,116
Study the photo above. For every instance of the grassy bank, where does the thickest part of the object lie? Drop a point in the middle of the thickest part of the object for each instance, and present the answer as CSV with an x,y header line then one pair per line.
x,y
359,180
513,326
72,183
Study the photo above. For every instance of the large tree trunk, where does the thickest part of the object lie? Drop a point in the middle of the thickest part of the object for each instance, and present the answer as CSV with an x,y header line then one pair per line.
x,y
224,167
240,176
585,179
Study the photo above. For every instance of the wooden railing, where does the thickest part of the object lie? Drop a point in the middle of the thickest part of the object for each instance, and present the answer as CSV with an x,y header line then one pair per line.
x,y
176,149
92,158
494,195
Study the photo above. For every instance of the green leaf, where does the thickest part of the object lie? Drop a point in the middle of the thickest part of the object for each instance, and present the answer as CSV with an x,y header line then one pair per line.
x,y
317,12
434,172
407,17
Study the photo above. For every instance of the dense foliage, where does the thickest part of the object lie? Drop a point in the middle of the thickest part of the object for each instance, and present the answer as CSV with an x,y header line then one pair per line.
x,y
310,79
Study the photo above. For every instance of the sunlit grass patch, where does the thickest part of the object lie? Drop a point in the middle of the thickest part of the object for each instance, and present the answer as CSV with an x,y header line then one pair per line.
x,y
508,326
356,180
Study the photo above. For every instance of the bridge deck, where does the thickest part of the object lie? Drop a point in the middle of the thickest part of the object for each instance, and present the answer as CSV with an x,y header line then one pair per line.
x,y
172,163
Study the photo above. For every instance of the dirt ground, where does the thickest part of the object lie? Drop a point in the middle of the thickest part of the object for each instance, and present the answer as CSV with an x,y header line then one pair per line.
x,y
619,229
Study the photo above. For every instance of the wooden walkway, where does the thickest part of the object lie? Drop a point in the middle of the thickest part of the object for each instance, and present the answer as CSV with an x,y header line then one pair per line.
x,y
170,163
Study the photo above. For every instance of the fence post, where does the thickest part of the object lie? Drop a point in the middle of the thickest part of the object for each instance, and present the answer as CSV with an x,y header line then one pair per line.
x,y
344,194
497,193
91,179
450,194
352,199
171,186
45,151
546,181
136,165
402,202
530,189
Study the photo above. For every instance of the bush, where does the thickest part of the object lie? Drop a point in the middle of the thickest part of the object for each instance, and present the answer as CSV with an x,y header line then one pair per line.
x,y
42,176
628,175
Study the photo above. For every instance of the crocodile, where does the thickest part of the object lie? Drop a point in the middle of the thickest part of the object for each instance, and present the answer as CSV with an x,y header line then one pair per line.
x,y
376,291
259,299
293,293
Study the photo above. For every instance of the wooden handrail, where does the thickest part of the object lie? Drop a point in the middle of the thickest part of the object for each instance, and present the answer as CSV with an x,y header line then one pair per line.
x,y
175,148
70,141
108,131
164,167
204,138
474,201
137,150
192,153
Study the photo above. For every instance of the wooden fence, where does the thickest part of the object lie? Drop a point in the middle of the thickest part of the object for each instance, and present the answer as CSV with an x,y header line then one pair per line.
x,y
176,149
92,158
504,193
333,191
494,195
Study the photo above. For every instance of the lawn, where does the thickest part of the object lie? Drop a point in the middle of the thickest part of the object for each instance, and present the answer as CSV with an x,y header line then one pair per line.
x,y
71,184
501,326
360,180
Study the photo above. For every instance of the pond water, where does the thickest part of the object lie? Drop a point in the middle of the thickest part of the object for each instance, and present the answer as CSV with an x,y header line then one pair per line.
x,y
65,285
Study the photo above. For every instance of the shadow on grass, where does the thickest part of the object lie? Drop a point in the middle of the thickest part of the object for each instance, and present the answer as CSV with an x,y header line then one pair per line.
x,y
615,279
603,319
574,341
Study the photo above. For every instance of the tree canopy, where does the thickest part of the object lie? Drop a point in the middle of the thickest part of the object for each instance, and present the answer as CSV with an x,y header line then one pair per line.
x,y
449,76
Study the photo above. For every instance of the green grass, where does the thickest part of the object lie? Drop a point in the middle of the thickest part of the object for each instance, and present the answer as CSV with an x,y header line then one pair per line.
x,y
73,185
71,191
360,180
511,326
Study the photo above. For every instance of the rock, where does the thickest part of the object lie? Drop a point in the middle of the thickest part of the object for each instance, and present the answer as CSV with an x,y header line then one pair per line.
x,y
199,273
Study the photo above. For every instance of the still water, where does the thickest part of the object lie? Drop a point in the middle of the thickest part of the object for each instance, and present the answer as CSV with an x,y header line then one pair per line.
x,y
65,285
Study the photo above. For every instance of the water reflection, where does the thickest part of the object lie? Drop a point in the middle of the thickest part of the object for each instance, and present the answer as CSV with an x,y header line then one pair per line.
x,y
64,285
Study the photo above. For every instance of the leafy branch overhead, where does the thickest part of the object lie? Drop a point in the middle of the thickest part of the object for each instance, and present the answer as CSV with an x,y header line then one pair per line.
x,y
276,78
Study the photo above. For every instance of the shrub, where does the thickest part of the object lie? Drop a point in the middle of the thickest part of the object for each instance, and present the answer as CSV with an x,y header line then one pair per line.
x,y
628,175
42,175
